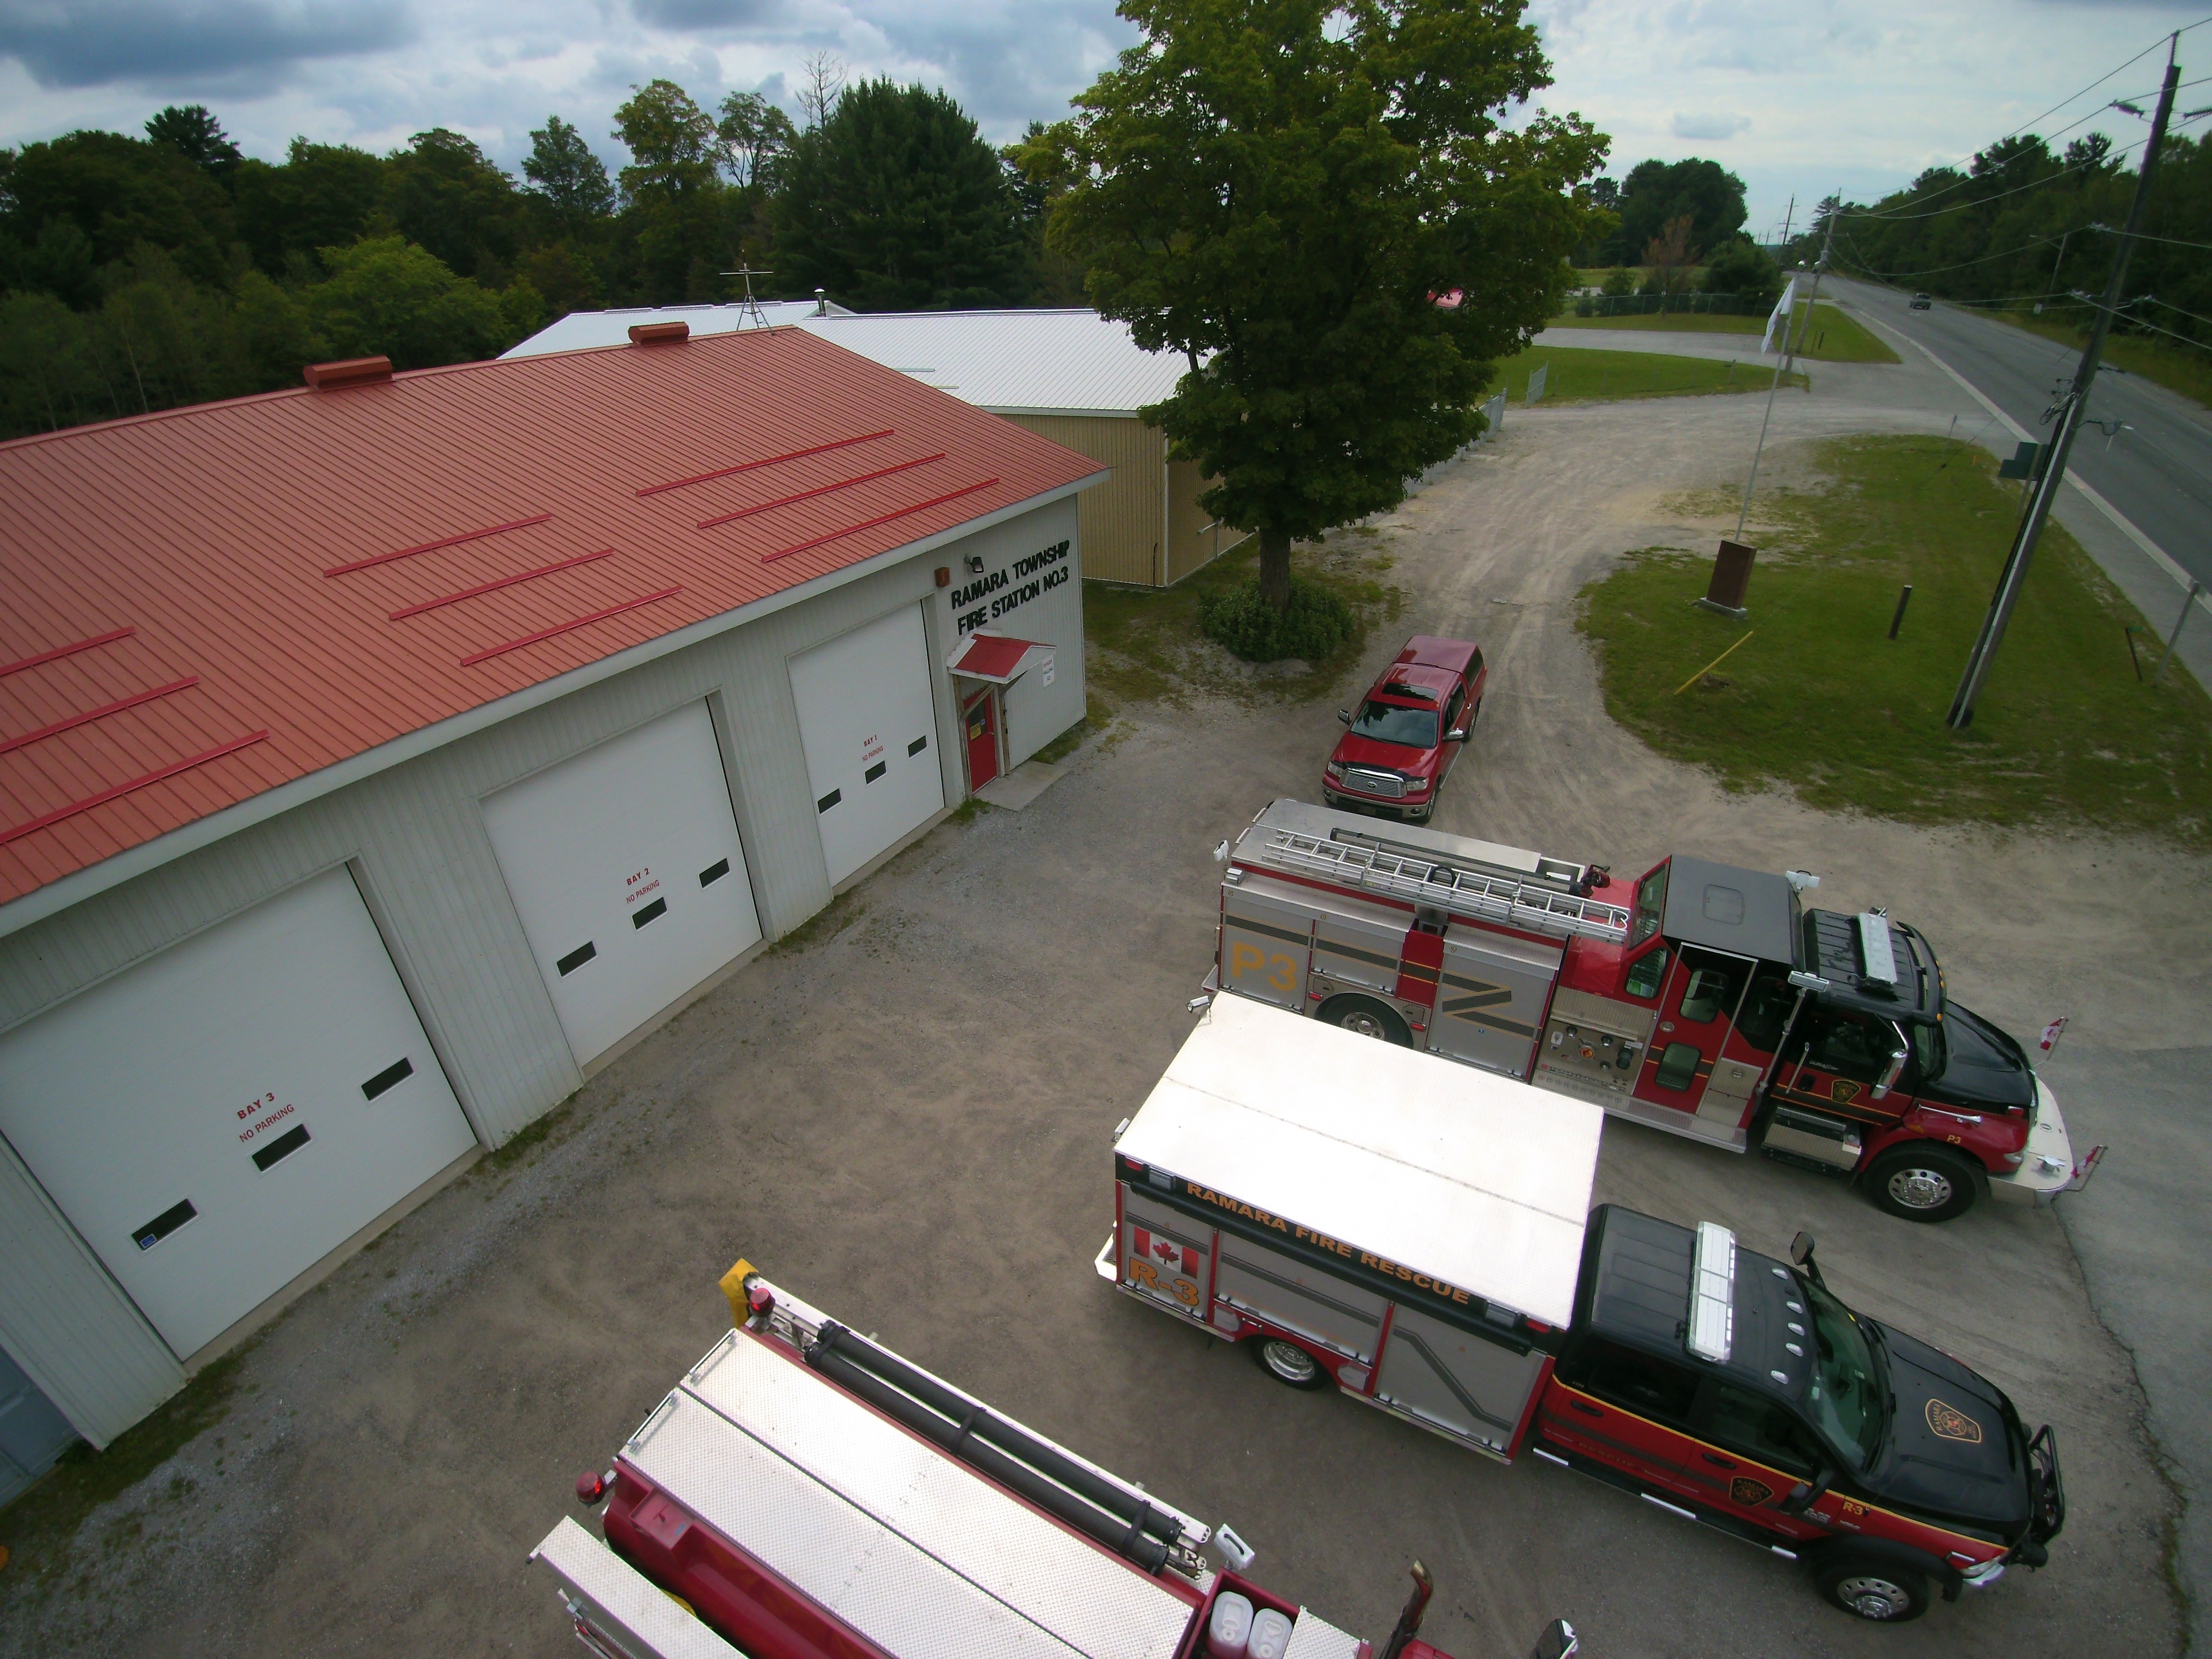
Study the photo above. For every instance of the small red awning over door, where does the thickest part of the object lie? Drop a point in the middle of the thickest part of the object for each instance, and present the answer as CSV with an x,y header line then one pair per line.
x,y
996,658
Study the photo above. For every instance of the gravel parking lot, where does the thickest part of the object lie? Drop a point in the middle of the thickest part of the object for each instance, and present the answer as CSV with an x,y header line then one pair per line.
x,y
907,1119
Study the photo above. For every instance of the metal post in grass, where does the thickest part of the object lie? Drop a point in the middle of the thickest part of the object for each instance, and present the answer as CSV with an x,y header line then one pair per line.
x,y
2174,638
2070,412
1898,620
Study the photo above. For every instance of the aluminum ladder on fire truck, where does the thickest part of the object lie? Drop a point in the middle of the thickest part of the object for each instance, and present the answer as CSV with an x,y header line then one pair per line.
x,y
1480,896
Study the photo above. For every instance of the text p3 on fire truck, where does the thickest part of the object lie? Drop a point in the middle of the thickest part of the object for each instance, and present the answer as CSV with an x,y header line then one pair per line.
x,y
806,1493
1702,1000
1421,1235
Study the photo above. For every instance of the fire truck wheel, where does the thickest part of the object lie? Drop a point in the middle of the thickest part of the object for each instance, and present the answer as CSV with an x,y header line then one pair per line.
x,y
1921,1182
1286,1362
1871,1588
1368,1017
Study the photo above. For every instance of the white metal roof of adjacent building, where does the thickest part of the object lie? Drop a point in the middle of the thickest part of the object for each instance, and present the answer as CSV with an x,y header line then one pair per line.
x,y
579,331
1011,362
1480,1180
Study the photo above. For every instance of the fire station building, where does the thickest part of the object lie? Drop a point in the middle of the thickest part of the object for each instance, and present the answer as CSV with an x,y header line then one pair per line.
x,y
379,759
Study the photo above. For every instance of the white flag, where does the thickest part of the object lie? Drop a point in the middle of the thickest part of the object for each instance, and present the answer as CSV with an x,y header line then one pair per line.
x,y
1780,320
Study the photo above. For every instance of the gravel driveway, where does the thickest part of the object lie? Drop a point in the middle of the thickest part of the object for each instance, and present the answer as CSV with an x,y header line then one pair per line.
x,y
907,1120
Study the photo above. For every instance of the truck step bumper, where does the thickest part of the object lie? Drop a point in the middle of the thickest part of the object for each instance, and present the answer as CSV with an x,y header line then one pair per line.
x,y
2049,1168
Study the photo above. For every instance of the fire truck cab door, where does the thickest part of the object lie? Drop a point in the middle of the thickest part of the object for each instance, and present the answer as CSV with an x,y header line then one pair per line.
x,y
1623,1408
1752,1453
1165,1256
1697,1009
1832,1061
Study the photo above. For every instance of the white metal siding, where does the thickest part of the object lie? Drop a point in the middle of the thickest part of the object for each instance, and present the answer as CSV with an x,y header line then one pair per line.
x,y
416,834
67,1323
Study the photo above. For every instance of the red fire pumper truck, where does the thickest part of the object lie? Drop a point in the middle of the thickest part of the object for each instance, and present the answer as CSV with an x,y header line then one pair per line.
x,y
806,1493
1421,1237
1702,999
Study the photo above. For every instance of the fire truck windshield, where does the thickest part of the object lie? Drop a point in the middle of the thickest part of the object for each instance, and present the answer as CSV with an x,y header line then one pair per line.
x,y
1848,1400
1386,722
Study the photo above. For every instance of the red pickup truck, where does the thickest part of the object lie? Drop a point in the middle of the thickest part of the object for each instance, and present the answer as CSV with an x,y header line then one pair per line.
x,y
1409,729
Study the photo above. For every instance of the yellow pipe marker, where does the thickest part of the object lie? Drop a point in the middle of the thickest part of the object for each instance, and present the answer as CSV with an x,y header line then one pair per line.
x,y
1709,666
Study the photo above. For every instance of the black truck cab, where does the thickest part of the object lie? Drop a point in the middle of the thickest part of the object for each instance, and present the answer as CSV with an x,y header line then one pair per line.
x,y
1776,1413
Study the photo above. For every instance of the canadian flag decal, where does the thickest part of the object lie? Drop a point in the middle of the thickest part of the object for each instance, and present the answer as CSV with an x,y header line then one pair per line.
x,y
1174,1257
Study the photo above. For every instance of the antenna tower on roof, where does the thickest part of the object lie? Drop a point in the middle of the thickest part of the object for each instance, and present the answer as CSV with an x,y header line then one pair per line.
x,y
750,315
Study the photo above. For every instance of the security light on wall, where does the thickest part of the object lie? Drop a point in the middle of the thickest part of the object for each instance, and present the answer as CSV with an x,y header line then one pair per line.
x,y
975,563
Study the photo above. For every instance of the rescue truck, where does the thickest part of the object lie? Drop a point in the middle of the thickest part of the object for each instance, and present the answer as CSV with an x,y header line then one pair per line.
x,y
1701,999
804,1492
1419,1237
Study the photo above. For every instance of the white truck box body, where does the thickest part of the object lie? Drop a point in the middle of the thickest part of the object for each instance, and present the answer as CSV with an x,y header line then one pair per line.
x,y
1476,1180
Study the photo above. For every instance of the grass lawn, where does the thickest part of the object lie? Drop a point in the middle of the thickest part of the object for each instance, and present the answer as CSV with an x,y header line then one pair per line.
x,y
1818,699
1578,375
1144,643
1833,337
2169,364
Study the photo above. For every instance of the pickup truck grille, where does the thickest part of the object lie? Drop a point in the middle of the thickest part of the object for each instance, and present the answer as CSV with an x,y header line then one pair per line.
x,y
1369,782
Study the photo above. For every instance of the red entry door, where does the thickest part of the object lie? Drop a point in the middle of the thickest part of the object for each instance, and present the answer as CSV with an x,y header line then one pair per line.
x,y
983,741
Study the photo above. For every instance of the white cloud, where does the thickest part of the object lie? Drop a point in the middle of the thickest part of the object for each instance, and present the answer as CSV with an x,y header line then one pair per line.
x,y
1708,126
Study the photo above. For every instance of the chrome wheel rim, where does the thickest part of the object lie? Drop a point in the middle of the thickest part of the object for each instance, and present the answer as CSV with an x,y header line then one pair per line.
x,y
1363,1023
1873,1598
1920,1189
1290,1362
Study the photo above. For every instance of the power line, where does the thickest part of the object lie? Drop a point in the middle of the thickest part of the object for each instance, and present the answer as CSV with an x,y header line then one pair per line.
x,y
1933,271
1979,201
2145,236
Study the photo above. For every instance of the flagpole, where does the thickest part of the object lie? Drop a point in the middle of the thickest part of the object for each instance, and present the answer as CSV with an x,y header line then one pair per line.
x,y
1782,308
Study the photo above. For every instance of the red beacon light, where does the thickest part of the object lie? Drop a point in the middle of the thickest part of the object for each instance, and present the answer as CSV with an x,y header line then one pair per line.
x,y
592,1486
749,1295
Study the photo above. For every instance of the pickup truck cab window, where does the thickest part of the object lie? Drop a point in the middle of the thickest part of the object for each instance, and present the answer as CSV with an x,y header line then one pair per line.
x,y
1752,1425
1634,1381
1390,723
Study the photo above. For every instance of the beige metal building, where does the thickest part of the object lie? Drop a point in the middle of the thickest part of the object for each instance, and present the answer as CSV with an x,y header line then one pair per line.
x,y
1071,376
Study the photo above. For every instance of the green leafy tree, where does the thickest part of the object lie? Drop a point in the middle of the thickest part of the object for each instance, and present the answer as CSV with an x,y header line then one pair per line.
x,y
673,211
895,203
561,168
386,297
323,196
120,193
1655,193
1278,190
1744,268
192,131
753,133
444,193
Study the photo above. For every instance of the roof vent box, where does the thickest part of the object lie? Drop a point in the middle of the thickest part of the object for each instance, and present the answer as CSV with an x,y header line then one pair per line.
x,y
658,333
352,371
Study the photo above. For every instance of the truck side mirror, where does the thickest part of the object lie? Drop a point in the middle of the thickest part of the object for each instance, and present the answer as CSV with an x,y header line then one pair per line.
x,y
1344,717
1800,1257
1804,1497
1558,1641
1457,734
1890,1072
1409,1617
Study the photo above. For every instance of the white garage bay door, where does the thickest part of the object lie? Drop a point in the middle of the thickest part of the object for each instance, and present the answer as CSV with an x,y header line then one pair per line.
x,y
865,718
627,871
220,1117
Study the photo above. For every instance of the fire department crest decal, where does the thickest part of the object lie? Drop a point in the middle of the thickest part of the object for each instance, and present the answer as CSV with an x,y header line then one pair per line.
x,y
1843,1091
1952,1424
1749,1492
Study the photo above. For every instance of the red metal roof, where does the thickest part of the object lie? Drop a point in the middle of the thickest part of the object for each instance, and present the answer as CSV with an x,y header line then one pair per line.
x,y
208,602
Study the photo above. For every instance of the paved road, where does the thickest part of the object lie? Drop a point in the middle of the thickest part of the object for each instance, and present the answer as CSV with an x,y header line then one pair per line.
x,y
2158,472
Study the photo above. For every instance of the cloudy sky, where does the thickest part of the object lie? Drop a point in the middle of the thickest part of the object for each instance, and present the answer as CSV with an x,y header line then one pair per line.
x,y
1802,96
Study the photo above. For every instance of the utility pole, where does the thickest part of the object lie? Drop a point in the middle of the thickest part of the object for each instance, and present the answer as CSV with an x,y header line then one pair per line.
x,y
2071,410
1827,247
1782,367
